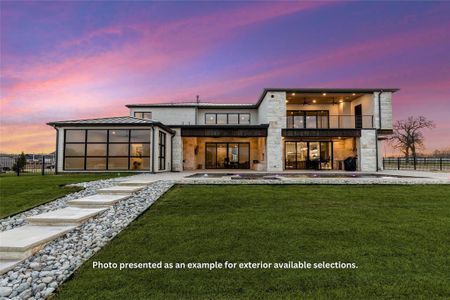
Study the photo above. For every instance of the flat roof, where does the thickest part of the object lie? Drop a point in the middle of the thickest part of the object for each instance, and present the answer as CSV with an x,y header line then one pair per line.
x,y
265,91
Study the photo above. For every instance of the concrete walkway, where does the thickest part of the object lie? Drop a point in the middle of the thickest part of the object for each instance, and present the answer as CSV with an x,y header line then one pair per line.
x,y
19,243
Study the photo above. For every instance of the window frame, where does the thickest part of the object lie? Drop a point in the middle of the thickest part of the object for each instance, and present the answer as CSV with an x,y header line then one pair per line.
x,y
142,114
228,118
303,114
107,156
162,139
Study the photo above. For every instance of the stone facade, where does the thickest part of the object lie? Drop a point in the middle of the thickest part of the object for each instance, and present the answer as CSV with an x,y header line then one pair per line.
x,y
367,151
177,152
272,111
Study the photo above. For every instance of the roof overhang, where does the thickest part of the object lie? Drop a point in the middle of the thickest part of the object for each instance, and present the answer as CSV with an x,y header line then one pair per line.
x,y
325,90
110,124
223,130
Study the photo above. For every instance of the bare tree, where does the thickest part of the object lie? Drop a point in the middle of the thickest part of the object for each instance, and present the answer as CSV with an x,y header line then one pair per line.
x,y
408,137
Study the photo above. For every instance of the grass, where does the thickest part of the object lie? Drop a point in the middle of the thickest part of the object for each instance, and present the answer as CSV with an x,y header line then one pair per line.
x,y
19,193
397,235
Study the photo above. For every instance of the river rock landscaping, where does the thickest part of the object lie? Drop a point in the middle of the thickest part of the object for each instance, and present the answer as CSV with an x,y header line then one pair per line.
x,y
39,275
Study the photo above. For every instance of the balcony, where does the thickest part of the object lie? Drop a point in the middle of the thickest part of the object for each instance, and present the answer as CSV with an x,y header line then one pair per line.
x,y
321,120
320,124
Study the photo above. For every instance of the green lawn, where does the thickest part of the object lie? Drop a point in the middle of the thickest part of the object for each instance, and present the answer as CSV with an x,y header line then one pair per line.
x,y
19,193
397,235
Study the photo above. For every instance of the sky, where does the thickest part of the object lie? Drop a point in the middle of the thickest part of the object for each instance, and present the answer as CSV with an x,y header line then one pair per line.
x,y
72,60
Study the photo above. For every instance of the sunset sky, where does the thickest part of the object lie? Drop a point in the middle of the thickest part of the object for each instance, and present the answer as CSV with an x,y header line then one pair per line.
x,y
69,60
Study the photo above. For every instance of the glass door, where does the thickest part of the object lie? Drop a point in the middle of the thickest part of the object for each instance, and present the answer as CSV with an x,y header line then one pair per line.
x,y
309,155
302,155
227,156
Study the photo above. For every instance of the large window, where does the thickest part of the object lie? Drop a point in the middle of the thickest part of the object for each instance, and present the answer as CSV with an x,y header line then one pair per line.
x,y
227,118
227,156
309,155
162,150
107,149
307,119
143,114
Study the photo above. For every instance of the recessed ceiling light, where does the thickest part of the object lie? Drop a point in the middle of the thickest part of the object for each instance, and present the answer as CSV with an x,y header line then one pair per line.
x,y
324,94
353,94
314,101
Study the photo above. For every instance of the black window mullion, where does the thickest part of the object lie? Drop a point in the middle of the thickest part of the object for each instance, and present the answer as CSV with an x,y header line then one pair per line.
x,y
85,148
129,147
107,149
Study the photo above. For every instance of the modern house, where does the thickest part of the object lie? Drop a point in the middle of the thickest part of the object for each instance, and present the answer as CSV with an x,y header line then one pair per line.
x,y
287,129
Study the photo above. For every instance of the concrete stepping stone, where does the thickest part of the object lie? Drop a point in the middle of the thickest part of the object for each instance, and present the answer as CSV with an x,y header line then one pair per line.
x,y
65,216
97,201
137,182
7,264
122,189
22,242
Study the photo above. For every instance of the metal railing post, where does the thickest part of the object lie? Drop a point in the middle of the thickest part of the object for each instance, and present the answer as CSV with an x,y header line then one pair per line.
x,y
43,165
440,163
415,163
398,163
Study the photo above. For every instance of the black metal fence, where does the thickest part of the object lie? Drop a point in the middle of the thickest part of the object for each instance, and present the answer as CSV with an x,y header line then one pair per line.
x,y
417,163
33,165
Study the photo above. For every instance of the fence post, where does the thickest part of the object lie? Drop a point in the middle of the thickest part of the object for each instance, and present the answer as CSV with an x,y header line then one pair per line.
x,y
440,163
43,165
384,168
415,163
398,163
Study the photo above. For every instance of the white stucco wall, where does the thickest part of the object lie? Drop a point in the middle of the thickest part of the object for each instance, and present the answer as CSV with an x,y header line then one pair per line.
x,y
169,115
201,114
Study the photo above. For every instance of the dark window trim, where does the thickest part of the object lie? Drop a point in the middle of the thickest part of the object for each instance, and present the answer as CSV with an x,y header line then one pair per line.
x,y
228,149
107,156
162,150
307,159
303,113
228,118
142,114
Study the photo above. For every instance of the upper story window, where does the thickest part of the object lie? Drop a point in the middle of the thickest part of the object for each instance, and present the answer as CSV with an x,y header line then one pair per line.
x,y
143,114
227,118
307,119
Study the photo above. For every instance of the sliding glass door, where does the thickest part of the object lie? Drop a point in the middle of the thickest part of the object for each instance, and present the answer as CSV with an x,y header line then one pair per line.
x,y
309,155
227,156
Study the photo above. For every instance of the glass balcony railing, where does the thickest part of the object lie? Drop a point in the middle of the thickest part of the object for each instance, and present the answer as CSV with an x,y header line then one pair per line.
x,y
302,121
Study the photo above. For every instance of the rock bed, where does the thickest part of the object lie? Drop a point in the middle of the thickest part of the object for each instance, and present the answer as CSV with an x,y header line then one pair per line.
x,y
90,188
39,275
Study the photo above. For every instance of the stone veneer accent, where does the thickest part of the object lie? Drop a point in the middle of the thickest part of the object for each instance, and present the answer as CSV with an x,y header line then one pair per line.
x,y
386,110
272,111
177,152
366,144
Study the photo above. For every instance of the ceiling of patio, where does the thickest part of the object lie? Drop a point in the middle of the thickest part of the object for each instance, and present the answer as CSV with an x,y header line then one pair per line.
x,y
320,98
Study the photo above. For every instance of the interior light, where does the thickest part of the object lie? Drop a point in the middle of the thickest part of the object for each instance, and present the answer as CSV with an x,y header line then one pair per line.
x,y
314,101
293,94
324,94
353,94
113,132
340,101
